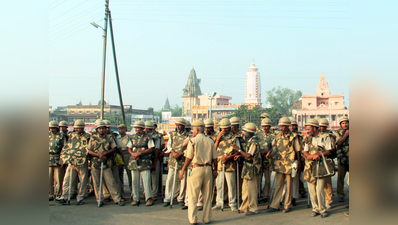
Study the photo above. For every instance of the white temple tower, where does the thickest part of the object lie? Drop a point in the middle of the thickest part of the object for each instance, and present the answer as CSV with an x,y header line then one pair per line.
x,y
253,86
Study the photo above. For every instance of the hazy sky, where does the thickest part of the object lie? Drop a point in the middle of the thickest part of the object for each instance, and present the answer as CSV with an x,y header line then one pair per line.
x,y
158,42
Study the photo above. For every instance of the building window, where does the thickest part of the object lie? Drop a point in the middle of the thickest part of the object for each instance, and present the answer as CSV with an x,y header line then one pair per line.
x,y
204,116
309,104
299,118
312,117
72,112
80,112
335,103
333,117
194,116
87,112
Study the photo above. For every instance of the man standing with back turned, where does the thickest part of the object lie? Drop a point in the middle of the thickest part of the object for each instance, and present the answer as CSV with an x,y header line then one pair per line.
x,y
201,152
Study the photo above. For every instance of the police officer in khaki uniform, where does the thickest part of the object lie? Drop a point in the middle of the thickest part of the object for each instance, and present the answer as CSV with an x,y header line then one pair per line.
x,y
250,171
343,155
323,124
265,141
123,139
176,150
74,154
155,169
296,180
226,165
140,148
315,145
285,149
101,148
188,127
56,143
201,153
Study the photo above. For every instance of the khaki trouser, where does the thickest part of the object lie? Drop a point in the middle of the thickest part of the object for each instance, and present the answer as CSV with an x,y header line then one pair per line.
x,y
342,170
200,198
146,182
328,190
200,180
155,175
267,185
280,181
115,173
109,180
230,178
128,171
55,177
179,189
83,174
249,195
317,195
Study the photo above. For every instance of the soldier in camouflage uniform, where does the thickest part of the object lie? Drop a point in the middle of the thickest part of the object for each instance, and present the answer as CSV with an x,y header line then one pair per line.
x,y
123,139
323,124
63,126
140,148
265,138
209,130
159,184
74,154
115,168
235,128
176,150
155,169
285,149
56,143
226,153
250,171
101,148
315,145
343,156
296,180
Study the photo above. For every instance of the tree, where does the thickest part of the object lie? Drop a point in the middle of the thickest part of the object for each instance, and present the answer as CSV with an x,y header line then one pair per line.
x,y
282,99
176,110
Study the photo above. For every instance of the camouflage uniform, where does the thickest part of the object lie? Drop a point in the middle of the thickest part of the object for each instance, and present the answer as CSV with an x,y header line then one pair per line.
x,y
115,171
283,153
225,149
316,186
265,143
155,174
250,171
75,154
142,166
242,142
101,144
122,143
175,144
56,143
328,180
343,161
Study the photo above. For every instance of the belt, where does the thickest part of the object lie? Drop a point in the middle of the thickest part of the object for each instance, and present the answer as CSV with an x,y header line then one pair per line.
x,y
201,165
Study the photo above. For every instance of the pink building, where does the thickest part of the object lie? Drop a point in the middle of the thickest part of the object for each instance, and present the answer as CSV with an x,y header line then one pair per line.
x,y
204,100
322,105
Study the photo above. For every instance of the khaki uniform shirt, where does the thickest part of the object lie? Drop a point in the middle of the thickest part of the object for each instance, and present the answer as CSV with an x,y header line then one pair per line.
x,y
122,143
201,150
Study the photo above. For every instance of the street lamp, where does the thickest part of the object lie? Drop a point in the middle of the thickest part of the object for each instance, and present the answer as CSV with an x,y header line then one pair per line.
x,y
211,98
96,25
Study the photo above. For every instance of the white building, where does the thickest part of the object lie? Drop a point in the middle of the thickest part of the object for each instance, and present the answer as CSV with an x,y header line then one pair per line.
x,y
253,86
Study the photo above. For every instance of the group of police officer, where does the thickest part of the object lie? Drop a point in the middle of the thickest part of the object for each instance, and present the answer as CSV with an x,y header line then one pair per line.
x,y
203,164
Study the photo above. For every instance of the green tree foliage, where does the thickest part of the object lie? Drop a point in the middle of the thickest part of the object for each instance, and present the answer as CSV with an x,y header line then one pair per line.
x,y
282,99
176,110
247,115
117,120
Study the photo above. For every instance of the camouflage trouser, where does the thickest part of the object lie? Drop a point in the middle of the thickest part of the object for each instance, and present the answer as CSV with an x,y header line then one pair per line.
x,y
317,195
55,179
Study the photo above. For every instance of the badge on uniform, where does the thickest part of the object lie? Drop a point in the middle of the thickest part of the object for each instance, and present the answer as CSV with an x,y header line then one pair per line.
x,y
189,174
84,142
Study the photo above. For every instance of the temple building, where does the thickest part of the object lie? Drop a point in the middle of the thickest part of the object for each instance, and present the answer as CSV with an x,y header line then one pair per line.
x,y
253,87
322,105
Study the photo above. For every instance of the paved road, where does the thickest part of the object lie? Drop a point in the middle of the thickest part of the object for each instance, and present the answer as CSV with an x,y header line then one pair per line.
x,y
110,213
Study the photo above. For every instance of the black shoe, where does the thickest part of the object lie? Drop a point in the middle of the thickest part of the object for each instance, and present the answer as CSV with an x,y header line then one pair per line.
x,y
61,201
265,200
91,193
51,198
314,214
107,199
80,202
184,207
303,195
200,208
181,203
166,204
100,204
272,210
294,202
324,214
341,199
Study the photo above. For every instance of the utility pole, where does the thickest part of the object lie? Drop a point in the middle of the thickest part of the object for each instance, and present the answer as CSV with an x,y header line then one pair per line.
x,y
104,58
116,69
